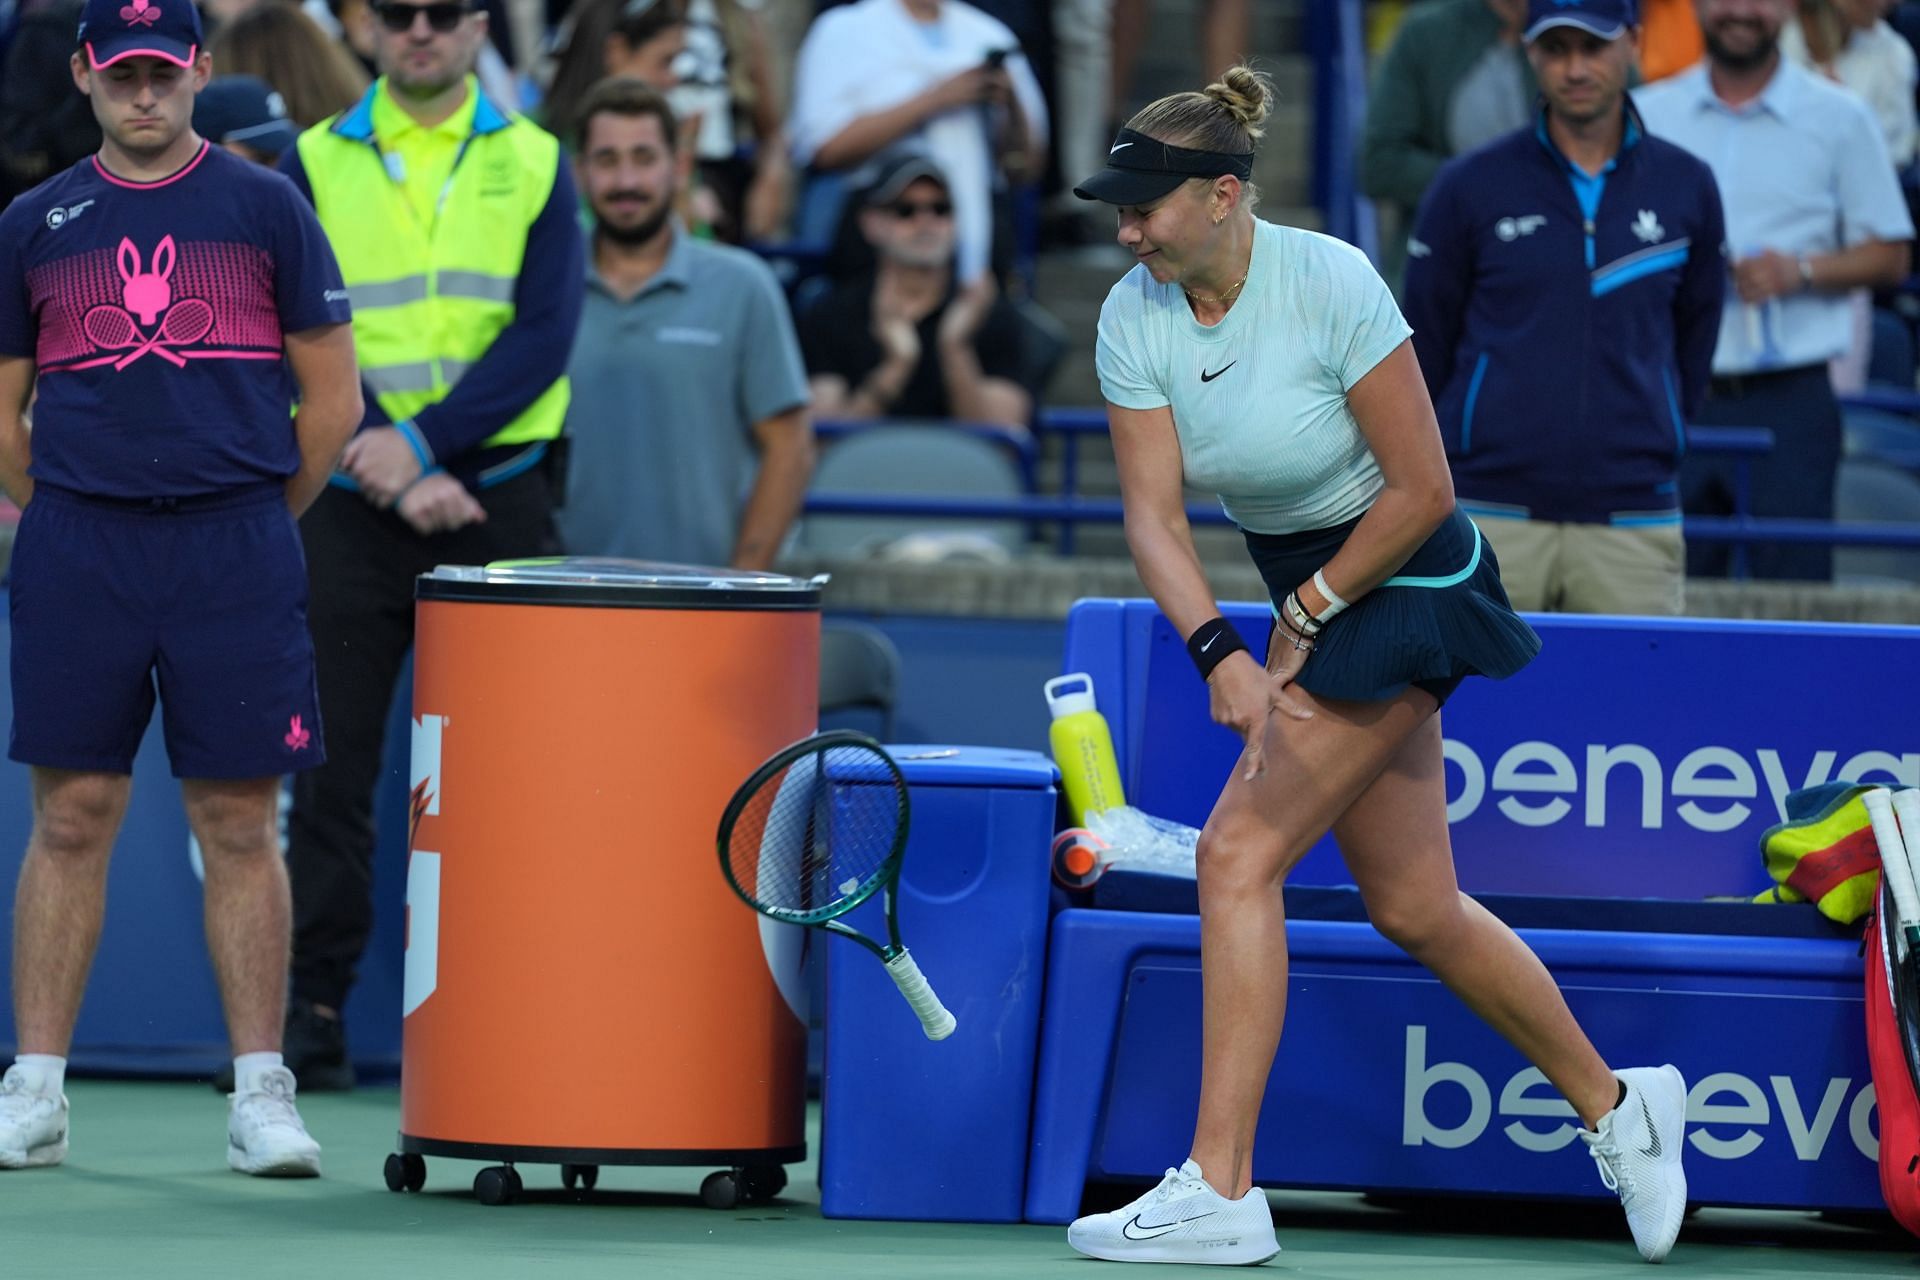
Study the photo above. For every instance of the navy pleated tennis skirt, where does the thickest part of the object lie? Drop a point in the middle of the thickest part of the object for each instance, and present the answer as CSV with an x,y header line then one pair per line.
x,y
1443,617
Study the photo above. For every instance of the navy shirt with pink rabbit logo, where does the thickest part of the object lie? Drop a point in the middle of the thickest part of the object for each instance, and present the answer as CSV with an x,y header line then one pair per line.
x,y
154,314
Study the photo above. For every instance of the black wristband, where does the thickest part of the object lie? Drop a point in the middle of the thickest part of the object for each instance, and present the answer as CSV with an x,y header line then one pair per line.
x,y
1212,641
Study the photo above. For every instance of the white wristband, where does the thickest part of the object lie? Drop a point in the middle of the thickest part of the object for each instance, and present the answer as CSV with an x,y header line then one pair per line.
x,y
1335,605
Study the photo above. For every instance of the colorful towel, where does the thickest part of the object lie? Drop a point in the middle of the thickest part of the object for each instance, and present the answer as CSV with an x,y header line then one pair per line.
x,y
1824,853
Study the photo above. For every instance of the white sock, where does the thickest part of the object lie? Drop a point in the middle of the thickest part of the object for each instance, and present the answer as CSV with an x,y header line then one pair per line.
x,y
249,1067
46,1073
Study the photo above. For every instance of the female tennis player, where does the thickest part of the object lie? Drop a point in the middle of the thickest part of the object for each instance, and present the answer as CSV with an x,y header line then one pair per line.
x,y
1271,366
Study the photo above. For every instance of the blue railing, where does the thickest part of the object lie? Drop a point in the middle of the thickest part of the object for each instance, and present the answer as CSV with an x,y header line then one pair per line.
x,y
1069,509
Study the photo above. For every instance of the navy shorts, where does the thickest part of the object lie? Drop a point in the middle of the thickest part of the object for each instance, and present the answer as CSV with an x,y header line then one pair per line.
x,y
204,597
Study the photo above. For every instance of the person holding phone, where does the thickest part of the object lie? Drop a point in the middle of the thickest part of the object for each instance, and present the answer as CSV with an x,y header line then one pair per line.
x,y
936,76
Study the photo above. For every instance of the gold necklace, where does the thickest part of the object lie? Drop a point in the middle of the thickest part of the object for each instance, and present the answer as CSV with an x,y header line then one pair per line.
x,y
1201,297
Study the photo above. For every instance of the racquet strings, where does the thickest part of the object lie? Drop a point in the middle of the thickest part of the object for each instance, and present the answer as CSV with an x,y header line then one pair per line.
x,y
815,835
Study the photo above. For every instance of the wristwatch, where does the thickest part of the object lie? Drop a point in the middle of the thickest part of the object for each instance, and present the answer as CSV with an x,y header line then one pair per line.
x,y
1806,273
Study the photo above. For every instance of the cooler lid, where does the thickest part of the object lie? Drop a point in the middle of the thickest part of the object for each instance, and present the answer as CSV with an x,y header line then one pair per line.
x,y
938,765
607,583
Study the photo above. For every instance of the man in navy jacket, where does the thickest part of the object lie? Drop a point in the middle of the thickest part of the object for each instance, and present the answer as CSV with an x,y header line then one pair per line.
x,y
1564,284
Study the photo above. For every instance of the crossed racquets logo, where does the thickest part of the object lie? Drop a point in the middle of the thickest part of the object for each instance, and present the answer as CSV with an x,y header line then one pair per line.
x,y
146,293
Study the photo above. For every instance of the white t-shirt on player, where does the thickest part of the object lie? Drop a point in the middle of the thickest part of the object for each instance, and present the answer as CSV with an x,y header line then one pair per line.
x,y
1260,400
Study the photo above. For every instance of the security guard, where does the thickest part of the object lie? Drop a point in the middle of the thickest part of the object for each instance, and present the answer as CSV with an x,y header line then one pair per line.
x,y
455,224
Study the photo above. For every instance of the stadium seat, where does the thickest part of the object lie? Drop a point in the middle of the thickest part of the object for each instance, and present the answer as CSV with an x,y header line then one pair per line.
x,y
1881,437
1872,491
922,459
859,673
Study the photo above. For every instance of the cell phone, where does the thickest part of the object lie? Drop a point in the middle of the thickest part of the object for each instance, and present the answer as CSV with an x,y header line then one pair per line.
x,y
996,58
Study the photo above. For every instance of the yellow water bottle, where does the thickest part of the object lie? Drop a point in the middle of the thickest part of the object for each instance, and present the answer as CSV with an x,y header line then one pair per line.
x,y
1083,747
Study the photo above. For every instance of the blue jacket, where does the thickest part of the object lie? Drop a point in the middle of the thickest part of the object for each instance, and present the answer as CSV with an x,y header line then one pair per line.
x,y
1565,324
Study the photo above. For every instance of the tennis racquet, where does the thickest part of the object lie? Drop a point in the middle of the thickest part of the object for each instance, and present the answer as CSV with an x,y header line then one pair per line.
x,y
1900,946
816,831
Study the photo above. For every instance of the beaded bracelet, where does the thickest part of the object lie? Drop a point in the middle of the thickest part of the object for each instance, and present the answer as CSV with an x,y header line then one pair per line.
x,y
1298,618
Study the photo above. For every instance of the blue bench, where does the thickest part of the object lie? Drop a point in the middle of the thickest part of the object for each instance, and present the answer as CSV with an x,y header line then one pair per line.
x,y
1597,800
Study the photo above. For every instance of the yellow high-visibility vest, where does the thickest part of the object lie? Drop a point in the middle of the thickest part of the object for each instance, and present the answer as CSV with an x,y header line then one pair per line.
x,y
430,295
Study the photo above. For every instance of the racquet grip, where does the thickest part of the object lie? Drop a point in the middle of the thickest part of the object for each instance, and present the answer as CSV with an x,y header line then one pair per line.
x,y
934,1018
1906,807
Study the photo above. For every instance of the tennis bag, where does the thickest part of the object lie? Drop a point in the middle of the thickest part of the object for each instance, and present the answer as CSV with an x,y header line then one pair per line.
x,y
1893,1049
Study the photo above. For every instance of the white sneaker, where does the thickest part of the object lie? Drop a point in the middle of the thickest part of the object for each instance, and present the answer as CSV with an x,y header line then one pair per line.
x,y
33,1127
1181,1220
1638,1151
264,1133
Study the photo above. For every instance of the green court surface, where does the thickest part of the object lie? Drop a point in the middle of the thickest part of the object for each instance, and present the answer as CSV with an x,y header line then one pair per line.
x,y
146,1196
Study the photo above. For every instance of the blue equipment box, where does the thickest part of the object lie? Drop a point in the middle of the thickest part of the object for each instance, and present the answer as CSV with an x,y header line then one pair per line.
x,y
916,1129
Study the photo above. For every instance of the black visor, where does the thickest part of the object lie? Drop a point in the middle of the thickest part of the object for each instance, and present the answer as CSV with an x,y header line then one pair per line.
x,y
1141,169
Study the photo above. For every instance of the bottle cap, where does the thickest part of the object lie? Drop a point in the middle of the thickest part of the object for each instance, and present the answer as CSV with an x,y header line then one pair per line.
x,y
1064,699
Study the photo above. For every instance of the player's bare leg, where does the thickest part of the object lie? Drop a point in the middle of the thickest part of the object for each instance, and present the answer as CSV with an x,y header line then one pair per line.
x,y
1395,843
59,904
61,900
249,915
249,908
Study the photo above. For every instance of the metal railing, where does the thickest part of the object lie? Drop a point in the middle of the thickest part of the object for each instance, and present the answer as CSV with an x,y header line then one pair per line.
x,y
1069,509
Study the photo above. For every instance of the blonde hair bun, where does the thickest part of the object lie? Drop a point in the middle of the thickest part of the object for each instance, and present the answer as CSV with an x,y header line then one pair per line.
x,y
1246,95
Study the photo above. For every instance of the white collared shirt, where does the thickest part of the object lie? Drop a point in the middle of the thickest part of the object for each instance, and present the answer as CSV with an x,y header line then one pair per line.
x,y
866,57
1802,169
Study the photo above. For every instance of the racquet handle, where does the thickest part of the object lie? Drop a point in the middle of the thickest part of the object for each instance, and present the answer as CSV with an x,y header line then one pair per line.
x,y
1906,807
1893,857
934,1018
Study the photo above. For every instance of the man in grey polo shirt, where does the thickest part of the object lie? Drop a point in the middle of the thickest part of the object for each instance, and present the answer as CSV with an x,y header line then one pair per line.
x,y
1813,211
685,371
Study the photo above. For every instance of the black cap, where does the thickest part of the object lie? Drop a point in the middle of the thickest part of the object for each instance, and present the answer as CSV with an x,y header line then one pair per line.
x,y
895,173
1141,169
243,109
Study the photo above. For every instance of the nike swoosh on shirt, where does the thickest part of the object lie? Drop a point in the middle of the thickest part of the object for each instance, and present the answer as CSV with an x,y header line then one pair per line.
x,y
1158,1230
1118,149
1209,377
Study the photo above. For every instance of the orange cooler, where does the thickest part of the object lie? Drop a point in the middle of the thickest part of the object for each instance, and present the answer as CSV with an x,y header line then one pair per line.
x,y
581,986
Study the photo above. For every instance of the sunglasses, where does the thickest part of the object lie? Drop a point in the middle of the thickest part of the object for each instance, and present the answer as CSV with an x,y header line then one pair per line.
x,y
905,210
443,17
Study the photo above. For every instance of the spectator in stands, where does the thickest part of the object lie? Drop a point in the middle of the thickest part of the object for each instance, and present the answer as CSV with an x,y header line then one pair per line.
x,y
246,117
356,22
1849,42
1813,210
220,12
685,369
727,99
1669,38
908,341
1270,366
274,41
1453,79
601,38
1612,267
1226,32
45,127
939,75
